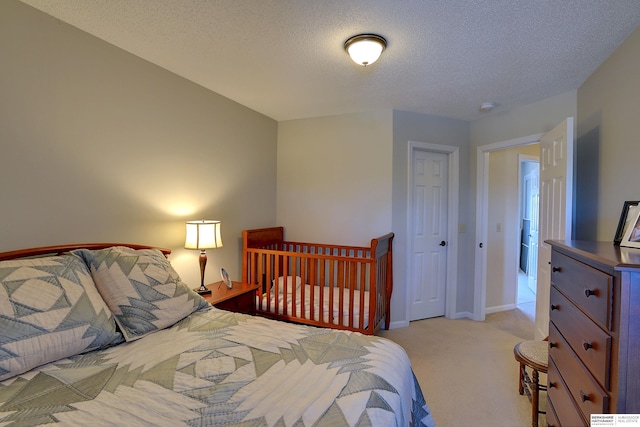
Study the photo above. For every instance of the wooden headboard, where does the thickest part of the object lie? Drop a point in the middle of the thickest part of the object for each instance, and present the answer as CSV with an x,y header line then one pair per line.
x,y
60,249
263,237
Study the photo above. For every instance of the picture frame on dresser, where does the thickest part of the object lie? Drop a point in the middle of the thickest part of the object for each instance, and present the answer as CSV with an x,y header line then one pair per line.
x,y
631,238
629,211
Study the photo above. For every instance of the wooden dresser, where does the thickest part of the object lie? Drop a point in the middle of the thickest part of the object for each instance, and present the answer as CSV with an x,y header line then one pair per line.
x,y
594,332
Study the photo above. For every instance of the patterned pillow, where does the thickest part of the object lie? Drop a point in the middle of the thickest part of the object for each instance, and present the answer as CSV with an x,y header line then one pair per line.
x,y
141,288
49,309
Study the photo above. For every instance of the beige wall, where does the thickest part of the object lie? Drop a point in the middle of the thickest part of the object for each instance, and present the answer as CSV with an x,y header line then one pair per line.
x,y
343,179
530,119
606,110
608,143
99,145
415,127
334,178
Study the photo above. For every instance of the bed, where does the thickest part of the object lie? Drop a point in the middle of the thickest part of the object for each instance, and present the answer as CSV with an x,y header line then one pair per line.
x,y
332,286
108,334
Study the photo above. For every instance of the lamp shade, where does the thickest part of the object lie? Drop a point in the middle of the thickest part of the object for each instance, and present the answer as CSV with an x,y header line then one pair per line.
x,y
203,234
365,49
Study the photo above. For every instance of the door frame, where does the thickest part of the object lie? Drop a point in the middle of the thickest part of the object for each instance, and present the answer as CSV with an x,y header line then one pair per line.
x,y
482,196
524,158
451,285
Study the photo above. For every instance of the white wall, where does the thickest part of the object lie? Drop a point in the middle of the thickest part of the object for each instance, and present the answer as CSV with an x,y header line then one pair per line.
x,y
99,145
334,178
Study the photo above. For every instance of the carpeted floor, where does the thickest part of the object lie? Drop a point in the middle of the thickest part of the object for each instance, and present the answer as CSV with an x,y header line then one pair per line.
x,y
467,370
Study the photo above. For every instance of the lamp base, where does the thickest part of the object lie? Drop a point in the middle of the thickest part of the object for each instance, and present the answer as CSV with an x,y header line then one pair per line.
x,y
202,290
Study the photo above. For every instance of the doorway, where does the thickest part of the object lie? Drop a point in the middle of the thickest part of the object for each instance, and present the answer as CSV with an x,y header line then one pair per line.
x,y
529,195
555,212
509,214
483,225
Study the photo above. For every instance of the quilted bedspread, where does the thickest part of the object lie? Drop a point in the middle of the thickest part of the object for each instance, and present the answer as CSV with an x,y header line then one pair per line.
x,y
216,368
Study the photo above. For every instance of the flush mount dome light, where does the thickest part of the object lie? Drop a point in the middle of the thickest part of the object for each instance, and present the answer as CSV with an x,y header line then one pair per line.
x,y
365,49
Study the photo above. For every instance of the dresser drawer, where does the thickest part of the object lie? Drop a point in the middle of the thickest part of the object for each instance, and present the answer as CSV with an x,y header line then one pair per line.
x,y
588,341
589,396
612,273
588,287
552,418
561,410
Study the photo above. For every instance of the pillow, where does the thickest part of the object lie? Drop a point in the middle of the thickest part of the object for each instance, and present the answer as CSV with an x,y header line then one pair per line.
x,y
141,288
49,309
289,284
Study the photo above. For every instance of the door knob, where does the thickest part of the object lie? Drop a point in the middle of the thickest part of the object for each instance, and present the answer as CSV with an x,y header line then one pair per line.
x,y
443,243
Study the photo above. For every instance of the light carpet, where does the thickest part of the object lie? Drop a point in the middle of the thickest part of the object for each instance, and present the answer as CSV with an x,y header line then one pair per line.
x,y
467,370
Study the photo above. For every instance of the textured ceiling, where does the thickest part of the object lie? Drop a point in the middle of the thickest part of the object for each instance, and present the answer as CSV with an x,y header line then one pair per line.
x,y
284,58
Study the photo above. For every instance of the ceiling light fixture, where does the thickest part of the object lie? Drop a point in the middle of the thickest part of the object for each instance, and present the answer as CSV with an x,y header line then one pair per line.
x,y
365,49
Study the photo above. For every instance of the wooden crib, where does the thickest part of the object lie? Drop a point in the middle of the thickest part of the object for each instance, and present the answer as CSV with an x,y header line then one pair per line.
x,y
333,286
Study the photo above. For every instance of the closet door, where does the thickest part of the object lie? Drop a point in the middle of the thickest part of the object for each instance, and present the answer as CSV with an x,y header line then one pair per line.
x,y
429,234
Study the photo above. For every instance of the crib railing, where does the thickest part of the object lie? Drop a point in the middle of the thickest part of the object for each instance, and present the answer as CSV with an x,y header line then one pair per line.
x,y
337,286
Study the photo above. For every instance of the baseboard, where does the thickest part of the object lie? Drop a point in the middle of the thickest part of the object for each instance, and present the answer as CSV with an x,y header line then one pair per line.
x,y
540,335
498,308
398,324
404,323
463,315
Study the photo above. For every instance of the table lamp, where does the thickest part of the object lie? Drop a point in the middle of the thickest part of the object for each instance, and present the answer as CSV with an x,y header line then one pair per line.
x,y
203,235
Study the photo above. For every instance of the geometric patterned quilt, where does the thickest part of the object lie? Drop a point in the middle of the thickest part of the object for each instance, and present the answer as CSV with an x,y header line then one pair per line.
x,y
218,368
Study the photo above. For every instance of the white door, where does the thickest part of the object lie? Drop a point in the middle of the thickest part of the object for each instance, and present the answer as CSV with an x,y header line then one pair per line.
x,y
429,239
556,194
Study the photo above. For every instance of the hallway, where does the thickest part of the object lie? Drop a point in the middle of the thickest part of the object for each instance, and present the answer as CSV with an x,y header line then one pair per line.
x,y
526,297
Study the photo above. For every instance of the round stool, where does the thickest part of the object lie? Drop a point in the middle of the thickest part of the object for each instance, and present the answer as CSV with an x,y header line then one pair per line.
x,y
533,355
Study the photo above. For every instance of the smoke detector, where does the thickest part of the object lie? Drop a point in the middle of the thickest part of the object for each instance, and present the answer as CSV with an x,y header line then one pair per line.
x,y
487,106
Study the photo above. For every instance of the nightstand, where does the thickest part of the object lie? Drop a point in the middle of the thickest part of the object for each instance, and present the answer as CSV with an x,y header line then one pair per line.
x,y
240,299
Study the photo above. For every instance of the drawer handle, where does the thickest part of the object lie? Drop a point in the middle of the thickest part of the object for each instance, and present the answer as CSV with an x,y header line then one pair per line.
x,y
587,345
552,344
551,385
556,269
588,292
584,396
555,307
